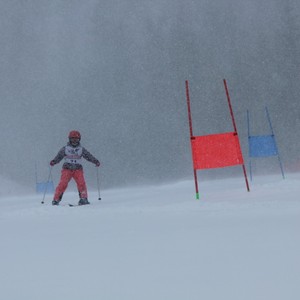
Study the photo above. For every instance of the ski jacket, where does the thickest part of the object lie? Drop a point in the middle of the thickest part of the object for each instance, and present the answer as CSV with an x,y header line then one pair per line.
x,y
72,156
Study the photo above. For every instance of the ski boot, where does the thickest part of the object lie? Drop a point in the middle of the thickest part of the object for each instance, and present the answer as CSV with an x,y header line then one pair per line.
x,y
83,201
55,202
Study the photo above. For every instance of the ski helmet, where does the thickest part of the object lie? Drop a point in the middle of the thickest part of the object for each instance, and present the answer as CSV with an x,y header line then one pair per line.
x,y
74,134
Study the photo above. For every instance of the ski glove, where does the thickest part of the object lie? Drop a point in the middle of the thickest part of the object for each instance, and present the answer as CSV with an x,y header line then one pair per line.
x,y
97,163
52,163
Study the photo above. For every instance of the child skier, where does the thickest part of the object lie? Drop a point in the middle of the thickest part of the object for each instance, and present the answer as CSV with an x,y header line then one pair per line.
x,y
72,168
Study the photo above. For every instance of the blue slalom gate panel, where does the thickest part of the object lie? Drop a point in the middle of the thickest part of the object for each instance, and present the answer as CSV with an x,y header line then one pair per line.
x,y
45,187
262,146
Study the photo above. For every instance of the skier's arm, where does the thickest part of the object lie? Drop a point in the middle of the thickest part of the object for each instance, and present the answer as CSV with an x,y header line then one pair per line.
x,y
60,155
89,157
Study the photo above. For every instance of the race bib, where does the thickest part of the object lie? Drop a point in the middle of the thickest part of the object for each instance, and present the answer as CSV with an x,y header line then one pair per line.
x,y
73,155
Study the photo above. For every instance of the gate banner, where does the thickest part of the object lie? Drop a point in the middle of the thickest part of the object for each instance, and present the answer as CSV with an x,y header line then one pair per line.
x,y
216,151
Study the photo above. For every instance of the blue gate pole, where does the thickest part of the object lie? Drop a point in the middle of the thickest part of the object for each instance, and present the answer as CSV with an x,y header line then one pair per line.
x,y
271,127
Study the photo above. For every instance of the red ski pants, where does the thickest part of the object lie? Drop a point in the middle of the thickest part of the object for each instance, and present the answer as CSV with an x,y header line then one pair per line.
x,y
66,176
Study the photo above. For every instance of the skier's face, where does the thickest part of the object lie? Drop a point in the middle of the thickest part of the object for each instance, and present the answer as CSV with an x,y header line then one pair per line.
x,y
74,141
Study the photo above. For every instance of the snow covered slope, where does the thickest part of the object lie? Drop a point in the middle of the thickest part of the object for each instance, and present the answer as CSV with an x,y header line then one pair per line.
x,y
156,242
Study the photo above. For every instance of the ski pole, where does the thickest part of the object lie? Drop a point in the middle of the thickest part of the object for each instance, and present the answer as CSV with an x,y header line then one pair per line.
x,y
98,184
47,184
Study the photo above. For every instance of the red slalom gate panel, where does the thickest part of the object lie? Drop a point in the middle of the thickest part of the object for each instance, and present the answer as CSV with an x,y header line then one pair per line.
x,y
216,151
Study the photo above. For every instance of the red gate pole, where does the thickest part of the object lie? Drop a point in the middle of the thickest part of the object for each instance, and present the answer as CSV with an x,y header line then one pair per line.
x,y
191,133
235,130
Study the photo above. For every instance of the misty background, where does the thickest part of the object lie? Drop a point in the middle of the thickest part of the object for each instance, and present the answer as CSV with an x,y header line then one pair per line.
x,y
116,71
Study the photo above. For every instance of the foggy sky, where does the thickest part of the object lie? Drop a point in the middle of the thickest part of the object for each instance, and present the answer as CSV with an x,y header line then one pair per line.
x,y
116,71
